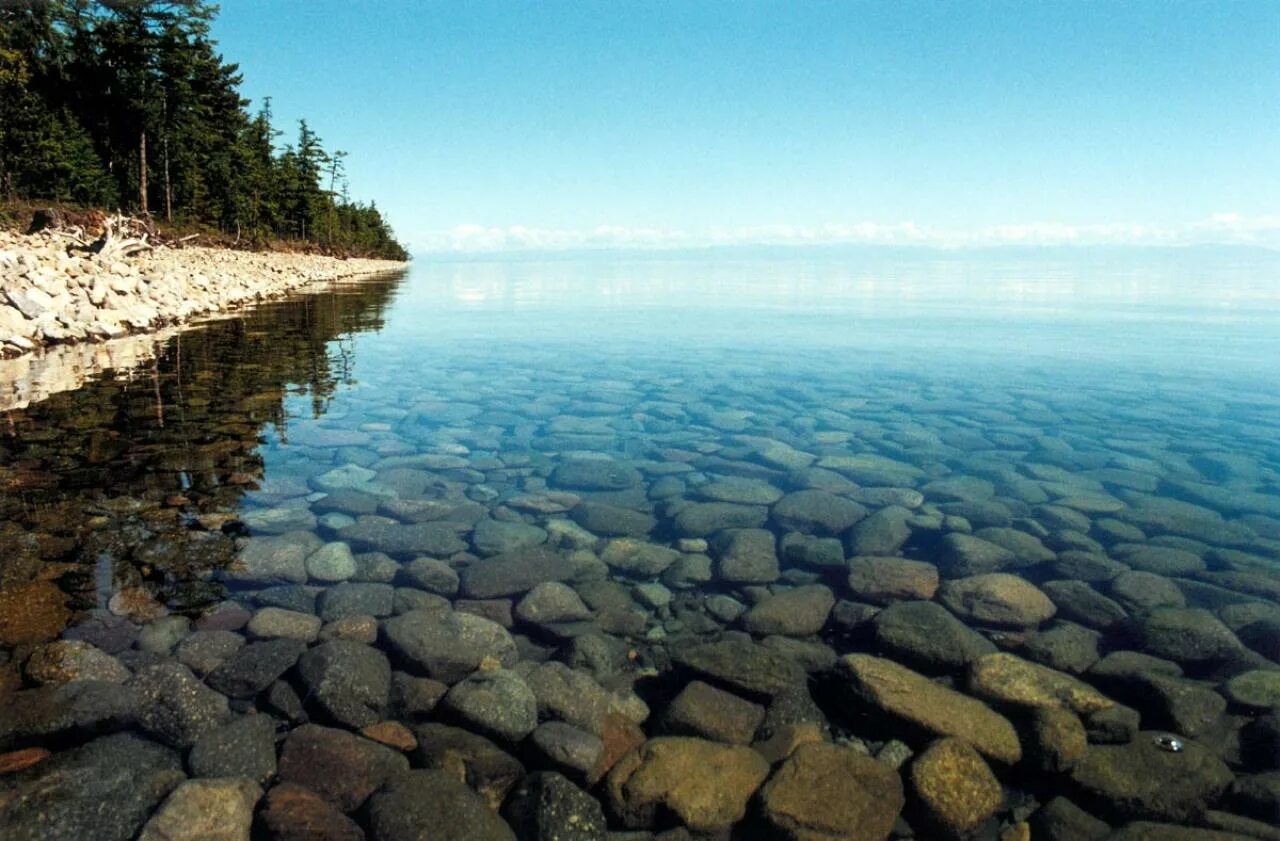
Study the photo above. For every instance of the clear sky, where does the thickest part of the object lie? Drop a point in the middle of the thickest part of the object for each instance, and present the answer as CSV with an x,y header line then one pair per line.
x,y
483,124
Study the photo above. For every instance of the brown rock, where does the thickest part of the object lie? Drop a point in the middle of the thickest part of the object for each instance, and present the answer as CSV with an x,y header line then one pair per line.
x,y
137,604
1020,831
886,580
32,613
956,788
1006,679
997,598
919,702
827,792
340,766
393,734
295,813
1056,739
788,738
490,771
705,784
703,710
20,760
620,736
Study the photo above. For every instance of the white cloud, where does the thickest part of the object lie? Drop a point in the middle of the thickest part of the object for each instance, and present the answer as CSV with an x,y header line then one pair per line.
x,y
1220,228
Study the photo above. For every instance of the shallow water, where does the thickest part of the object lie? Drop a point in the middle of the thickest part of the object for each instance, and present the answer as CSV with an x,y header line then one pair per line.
x,y
739,468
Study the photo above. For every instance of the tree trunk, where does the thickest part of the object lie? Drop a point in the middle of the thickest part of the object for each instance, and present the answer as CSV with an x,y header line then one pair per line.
x,y
168,187
142,172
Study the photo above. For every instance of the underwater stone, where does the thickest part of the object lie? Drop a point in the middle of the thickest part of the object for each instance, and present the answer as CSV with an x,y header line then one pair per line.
x,y
915,700
339,766
883,533
746,556
798,612
927,635
347,682
546,806
447,646
494,702
825,792
955,786
997,599
886,580
702,710
512,573
706,785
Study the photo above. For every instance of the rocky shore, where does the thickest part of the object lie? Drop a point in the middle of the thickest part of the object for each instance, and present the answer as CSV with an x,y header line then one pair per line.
x,y
50,294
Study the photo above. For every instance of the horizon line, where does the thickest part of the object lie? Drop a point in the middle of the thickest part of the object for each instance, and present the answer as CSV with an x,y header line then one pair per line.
x,y
1219,229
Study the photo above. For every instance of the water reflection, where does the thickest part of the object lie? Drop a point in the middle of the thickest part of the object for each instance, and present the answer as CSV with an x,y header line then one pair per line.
x,y
128,478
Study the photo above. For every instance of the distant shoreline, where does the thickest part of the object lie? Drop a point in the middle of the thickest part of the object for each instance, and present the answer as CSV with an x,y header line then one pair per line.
x,y
49,296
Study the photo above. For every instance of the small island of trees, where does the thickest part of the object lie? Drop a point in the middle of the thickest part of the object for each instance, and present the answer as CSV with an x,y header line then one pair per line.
x,y
128,104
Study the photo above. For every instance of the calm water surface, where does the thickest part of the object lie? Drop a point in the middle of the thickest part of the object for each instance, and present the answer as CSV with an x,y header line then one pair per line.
x,y
628,500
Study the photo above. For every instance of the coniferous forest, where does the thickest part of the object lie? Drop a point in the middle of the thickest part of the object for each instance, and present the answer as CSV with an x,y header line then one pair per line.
x,y
128,104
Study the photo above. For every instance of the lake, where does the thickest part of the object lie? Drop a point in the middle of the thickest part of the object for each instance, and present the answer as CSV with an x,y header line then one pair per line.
x,y
821,545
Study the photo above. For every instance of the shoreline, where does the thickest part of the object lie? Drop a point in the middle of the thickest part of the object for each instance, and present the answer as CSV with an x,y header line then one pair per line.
x,y
49,297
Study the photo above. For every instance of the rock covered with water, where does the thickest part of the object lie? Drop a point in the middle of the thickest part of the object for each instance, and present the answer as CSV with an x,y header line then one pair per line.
x,y
825,791
493,577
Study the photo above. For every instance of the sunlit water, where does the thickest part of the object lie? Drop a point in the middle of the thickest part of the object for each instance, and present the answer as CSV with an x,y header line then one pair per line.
x,y
1074,421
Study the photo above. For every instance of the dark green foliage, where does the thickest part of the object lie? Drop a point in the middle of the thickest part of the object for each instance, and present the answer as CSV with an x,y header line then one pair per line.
x,y
128,103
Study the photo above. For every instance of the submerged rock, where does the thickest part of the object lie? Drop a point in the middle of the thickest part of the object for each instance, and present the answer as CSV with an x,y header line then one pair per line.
x,y
340,766
887,580
1187,635
74,708
612,520
468,758
816,512
296,813
66,660
174,706
706,785
546,806
638,558
447,646
1140,780
494,702
881,534
347,682
595,475
741,665
575,697
702,519
255,666
433,804
956,788
914,700
103,789
702,710
205,810
244,747
964,555
997,599
928,636
746,556
512,573
826,791
1006,679
799,612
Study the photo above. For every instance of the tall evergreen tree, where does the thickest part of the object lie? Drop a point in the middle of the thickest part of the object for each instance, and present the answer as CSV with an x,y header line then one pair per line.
x,y
106,102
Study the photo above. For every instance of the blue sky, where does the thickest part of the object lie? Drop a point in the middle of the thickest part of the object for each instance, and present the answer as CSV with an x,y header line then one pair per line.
x,y
494,125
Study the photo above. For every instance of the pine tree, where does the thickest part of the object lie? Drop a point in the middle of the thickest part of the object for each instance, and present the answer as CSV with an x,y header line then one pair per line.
x,y
110,101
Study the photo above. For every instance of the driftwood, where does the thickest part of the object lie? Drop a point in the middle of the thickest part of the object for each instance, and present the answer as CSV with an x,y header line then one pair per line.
x,y
120,236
